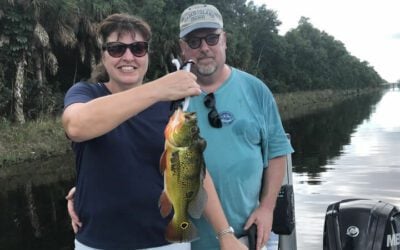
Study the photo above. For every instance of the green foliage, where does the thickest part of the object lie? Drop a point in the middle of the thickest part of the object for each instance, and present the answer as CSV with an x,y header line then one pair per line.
x,y
5,94
17,27
164,40
304,59
321,62
42,99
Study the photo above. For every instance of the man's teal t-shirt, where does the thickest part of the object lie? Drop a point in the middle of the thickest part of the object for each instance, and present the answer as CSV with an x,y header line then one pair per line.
x,y
237,153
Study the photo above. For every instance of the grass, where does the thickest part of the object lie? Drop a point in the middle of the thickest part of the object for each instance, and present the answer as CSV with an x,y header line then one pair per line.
x,y
33,140
296,104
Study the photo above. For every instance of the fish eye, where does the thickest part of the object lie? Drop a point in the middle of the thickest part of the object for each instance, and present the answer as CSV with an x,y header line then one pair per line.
x,y
194,130
184,225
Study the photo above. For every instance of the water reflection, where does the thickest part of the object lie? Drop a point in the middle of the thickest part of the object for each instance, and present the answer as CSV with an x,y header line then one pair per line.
x,y
32,205
360,161
386,116
321,136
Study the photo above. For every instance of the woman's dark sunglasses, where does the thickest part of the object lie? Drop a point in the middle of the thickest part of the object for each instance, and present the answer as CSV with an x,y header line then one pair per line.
x,y
117,49
213,116
194,42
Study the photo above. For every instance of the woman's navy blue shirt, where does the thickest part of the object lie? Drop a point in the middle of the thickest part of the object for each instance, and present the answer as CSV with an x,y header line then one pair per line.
x,y
118,178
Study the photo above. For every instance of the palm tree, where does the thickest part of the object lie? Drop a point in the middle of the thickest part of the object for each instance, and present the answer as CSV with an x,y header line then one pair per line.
x,y
26,26
58,18
16,32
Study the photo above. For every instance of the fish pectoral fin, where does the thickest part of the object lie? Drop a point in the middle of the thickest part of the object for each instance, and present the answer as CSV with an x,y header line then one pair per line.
x,y
197,205
165,205
163,162
184,232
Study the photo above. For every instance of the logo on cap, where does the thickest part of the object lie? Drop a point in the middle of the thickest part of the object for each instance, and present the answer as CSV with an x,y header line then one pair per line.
x,y
200,16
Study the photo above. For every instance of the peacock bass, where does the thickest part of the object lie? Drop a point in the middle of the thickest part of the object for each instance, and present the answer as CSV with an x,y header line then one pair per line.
x,y
182,165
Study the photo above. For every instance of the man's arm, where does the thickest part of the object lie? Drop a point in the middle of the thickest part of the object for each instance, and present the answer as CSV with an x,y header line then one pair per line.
x,y
75,222
272,181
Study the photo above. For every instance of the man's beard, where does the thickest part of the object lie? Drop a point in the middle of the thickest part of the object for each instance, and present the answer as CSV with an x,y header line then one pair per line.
x,y
207,70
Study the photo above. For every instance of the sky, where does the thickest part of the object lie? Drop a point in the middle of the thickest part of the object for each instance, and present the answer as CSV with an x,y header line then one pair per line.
x,y
369,29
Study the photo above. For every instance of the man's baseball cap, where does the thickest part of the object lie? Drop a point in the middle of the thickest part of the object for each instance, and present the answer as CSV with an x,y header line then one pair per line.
x,y
200,16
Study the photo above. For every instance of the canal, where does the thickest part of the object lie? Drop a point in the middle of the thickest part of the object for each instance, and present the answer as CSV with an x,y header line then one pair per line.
x,y
349,151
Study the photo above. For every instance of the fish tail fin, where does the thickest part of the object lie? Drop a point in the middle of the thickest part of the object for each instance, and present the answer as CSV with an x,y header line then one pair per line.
x,y
184,232
165,205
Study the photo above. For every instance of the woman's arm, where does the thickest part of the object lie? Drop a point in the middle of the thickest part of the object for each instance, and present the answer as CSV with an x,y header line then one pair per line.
x,y
84,121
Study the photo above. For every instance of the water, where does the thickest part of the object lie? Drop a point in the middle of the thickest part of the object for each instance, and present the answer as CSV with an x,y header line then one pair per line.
x,y
32,205
350,153
347,151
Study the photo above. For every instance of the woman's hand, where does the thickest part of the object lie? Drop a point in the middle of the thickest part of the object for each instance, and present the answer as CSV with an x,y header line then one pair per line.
x,y
176,85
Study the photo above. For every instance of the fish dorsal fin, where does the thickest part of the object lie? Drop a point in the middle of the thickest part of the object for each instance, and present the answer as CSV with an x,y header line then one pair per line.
x,y
197,205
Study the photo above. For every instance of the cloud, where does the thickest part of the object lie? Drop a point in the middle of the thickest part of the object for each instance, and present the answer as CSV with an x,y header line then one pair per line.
x,y
396,36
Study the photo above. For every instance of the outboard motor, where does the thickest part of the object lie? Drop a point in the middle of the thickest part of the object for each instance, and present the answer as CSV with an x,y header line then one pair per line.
x,y
361,224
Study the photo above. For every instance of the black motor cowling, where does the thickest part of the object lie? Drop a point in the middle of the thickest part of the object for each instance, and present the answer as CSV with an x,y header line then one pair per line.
x,y
362,224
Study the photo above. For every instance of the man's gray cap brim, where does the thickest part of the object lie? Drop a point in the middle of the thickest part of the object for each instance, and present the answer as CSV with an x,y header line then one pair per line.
x,y
203,25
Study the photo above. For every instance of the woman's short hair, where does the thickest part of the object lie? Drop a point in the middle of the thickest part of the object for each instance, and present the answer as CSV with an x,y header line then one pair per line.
x,y
121,23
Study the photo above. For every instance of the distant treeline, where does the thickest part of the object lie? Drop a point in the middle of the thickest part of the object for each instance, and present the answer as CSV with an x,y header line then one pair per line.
x,y
46,46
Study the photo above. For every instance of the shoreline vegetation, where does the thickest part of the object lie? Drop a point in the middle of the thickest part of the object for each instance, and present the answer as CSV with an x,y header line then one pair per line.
x,y
45,138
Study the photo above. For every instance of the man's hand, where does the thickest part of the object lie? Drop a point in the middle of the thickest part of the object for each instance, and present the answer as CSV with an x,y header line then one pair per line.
x,y
75,222
263,219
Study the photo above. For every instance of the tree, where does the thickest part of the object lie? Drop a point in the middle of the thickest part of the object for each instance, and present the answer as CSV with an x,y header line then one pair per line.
x,y
45,46
321,62
16,32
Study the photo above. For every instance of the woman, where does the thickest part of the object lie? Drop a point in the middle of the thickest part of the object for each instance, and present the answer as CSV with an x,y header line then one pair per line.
x,y
117,131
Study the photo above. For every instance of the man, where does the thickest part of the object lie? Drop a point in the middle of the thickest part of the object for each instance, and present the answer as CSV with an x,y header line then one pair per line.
x,y
239,119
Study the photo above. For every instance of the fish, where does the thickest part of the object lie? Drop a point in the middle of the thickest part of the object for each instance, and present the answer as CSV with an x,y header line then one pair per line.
x,y
182,165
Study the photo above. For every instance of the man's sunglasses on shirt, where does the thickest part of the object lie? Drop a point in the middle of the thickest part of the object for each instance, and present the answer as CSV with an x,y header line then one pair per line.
x,y
213,117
